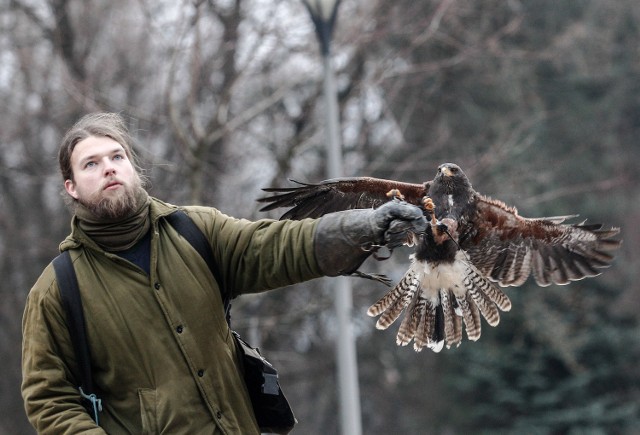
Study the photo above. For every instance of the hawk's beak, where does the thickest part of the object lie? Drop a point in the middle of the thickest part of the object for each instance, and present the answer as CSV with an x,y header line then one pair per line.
x,y
446,172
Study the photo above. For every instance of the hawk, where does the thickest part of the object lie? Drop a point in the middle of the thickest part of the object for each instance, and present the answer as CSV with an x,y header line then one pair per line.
x,y
473,245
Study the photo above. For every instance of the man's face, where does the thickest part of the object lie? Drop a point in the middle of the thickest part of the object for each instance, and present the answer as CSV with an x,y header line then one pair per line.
x,y
105,180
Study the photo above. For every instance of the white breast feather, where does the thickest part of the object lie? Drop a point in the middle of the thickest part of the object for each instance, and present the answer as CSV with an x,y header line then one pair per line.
x,y
444,275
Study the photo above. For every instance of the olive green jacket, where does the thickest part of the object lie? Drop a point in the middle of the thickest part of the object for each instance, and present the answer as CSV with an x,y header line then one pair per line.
x,y
162,356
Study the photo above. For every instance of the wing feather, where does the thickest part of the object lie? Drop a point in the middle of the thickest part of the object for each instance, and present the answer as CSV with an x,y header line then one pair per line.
x,y
312,200
508,248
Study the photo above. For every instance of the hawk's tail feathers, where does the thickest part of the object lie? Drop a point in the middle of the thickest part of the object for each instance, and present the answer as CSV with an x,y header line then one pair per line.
x,y
452,322
416,315
390,306
422,323
486,296
413,317
435,317
470,316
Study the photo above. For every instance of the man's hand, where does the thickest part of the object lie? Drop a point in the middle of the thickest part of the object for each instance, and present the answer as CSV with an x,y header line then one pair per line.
x,y
345,239
395,219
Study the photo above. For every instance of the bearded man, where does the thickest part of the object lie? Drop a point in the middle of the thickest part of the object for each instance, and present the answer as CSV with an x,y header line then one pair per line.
x,y
162,355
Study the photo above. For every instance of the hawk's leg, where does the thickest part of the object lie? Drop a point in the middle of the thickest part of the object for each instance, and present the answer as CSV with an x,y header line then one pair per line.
x,y
430,209
439,229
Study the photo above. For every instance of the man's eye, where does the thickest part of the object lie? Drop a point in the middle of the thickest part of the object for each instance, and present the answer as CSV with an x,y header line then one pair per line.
x,y
89,164
118,157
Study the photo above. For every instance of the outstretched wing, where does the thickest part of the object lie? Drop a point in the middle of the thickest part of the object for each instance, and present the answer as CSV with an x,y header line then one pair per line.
x,y
315,200
508,248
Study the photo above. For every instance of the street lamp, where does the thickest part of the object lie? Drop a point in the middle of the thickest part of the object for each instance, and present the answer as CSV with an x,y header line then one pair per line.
x,y
323,14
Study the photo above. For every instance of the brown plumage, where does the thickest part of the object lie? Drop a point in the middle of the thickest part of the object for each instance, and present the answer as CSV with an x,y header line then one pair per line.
x,y
472,244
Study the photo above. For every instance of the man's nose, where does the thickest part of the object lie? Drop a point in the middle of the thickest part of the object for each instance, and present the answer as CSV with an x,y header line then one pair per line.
x,y
109,167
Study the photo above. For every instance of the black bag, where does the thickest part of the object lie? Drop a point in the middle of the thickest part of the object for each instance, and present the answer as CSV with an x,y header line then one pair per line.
x,y
270,406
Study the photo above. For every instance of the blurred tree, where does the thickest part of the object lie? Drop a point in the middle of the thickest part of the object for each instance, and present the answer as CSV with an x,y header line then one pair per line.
x,y
567,365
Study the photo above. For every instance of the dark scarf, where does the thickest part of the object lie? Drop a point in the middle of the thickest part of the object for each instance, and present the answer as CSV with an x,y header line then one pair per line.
x,y
117,235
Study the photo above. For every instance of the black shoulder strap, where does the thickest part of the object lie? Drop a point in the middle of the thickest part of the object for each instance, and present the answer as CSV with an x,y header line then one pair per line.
x,y
72,304
190,231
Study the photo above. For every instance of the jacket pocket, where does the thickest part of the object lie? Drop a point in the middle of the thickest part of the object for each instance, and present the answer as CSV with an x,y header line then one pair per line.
x,y
148,410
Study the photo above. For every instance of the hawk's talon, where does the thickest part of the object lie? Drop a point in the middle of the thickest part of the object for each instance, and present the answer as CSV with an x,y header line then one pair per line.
x,y
395,194
369,247
375,249
428,205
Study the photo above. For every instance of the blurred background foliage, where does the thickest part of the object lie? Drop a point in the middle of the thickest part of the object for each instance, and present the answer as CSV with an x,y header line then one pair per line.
x,y
538,101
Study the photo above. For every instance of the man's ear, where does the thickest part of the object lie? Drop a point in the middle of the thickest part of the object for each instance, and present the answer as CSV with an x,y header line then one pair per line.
x,y
70,187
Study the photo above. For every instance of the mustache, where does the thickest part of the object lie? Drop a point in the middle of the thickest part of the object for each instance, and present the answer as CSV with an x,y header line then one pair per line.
x,y
111,182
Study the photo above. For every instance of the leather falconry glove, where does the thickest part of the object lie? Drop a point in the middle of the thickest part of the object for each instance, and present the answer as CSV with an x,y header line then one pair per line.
x,y
344,239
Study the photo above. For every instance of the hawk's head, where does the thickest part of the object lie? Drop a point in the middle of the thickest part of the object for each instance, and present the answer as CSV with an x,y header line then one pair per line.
x,y
452,179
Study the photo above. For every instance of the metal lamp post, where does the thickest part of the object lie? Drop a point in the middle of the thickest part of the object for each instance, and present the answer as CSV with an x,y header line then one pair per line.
x,y
323,14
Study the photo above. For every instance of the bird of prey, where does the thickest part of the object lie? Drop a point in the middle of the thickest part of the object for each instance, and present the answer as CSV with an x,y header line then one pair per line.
x,y
473,242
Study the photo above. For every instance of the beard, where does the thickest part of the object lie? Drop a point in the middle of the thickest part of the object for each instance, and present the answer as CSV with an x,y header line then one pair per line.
x,y
118,206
